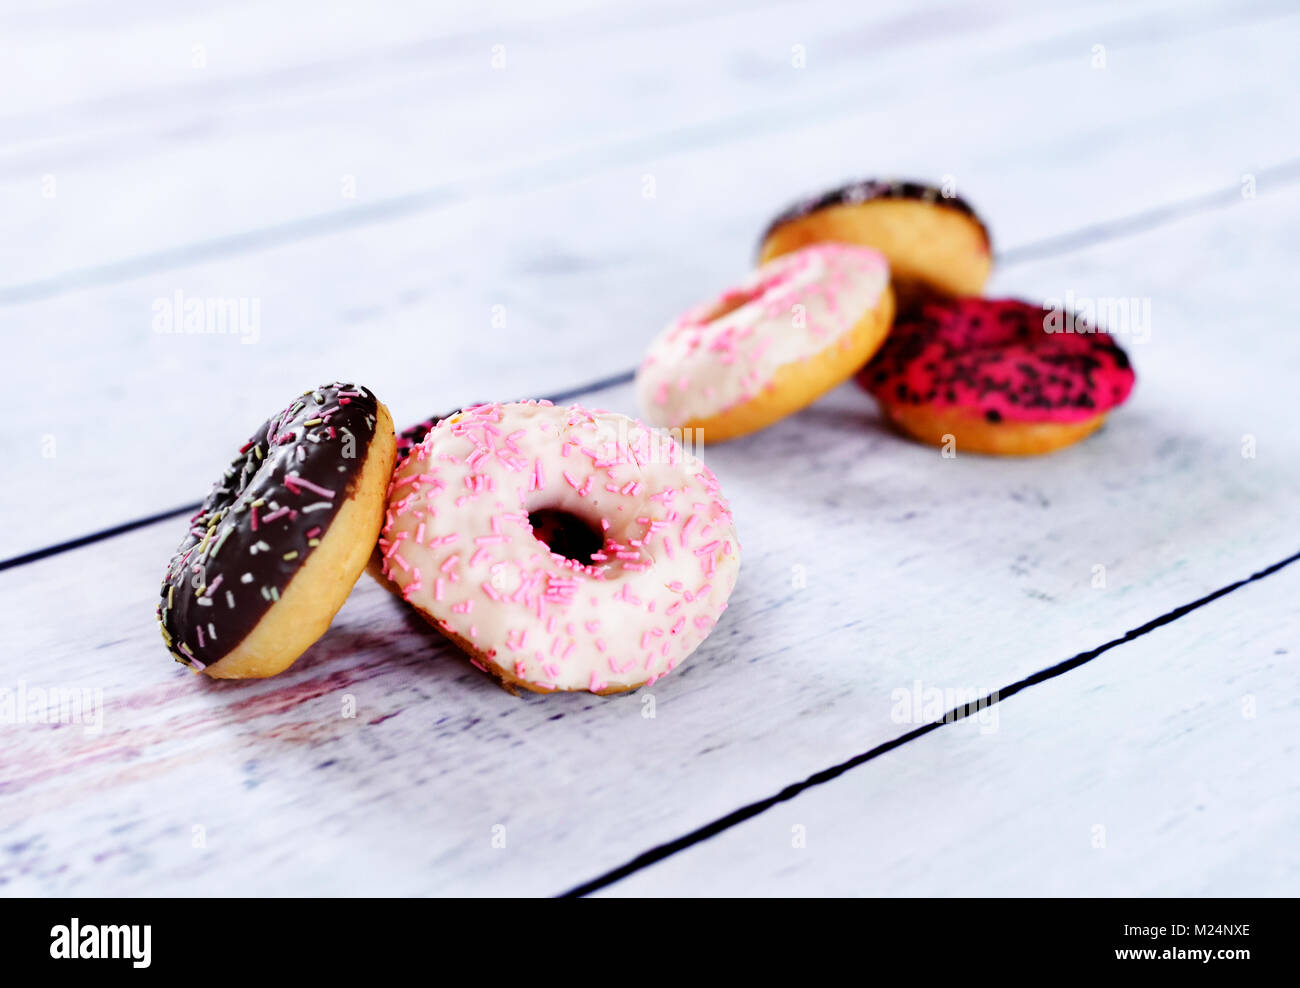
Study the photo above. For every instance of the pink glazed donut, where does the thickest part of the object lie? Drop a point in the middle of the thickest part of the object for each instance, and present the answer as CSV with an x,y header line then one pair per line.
x,y
649,557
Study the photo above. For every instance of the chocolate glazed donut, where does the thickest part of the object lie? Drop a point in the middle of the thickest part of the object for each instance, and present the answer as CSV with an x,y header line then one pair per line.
x,y
266,518
936,244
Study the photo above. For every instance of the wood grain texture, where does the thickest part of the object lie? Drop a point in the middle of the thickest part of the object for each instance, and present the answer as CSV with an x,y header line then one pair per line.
x,y
1163,768
874,564
870,563
578,255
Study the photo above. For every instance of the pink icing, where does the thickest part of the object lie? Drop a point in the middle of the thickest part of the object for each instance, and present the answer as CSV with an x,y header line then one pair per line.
x,y
996,358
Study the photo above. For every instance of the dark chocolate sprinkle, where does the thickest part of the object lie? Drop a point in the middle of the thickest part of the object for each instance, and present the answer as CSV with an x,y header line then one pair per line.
x,y
998,357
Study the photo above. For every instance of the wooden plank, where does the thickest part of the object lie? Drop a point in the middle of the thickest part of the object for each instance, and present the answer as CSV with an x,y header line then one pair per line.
x,y
325,118
869,562
583,273
1164,768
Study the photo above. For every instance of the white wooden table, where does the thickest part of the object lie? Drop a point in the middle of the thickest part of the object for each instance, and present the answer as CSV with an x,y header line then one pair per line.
x,y
462,202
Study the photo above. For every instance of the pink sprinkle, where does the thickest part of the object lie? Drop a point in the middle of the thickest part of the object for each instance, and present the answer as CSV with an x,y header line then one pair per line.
x,y
686,527
292,478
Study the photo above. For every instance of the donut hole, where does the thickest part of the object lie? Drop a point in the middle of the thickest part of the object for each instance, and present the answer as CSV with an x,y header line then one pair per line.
x,y
740,297
566,534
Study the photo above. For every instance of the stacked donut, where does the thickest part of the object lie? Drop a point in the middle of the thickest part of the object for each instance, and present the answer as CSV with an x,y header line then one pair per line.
x,y
954,369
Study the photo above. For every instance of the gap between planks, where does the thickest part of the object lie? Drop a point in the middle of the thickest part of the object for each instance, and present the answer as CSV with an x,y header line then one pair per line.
x,y
656,854
531,178
1282,176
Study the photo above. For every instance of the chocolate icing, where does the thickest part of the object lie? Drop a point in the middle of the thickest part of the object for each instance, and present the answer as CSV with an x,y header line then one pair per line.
x,y
263,518
866,190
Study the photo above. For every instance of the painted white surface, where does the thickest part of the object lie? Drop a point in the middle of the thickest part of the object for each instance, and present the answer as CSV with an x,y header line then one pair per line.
x,y
585,269
1163,768
870,562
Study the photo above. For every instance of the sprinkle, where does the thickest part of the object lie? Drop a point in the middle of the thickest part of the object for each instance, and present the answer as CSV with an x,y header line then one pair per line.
x,y
495,467
292,478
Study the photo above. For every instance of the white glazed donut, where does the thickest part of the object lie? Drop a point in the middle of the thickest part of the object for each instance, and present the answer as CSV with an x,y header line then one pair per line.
x,y
797,327
459,545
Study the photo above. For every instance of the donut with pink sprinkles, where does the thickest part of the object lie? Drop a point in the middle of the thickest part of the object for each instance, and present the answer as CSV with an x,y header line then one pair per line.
x,y
791,331
561,548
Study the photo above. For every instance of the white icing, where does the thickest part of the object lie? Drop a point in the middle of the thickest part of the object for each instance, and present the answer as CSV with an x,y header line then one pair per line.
x,y
459,545
790,309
